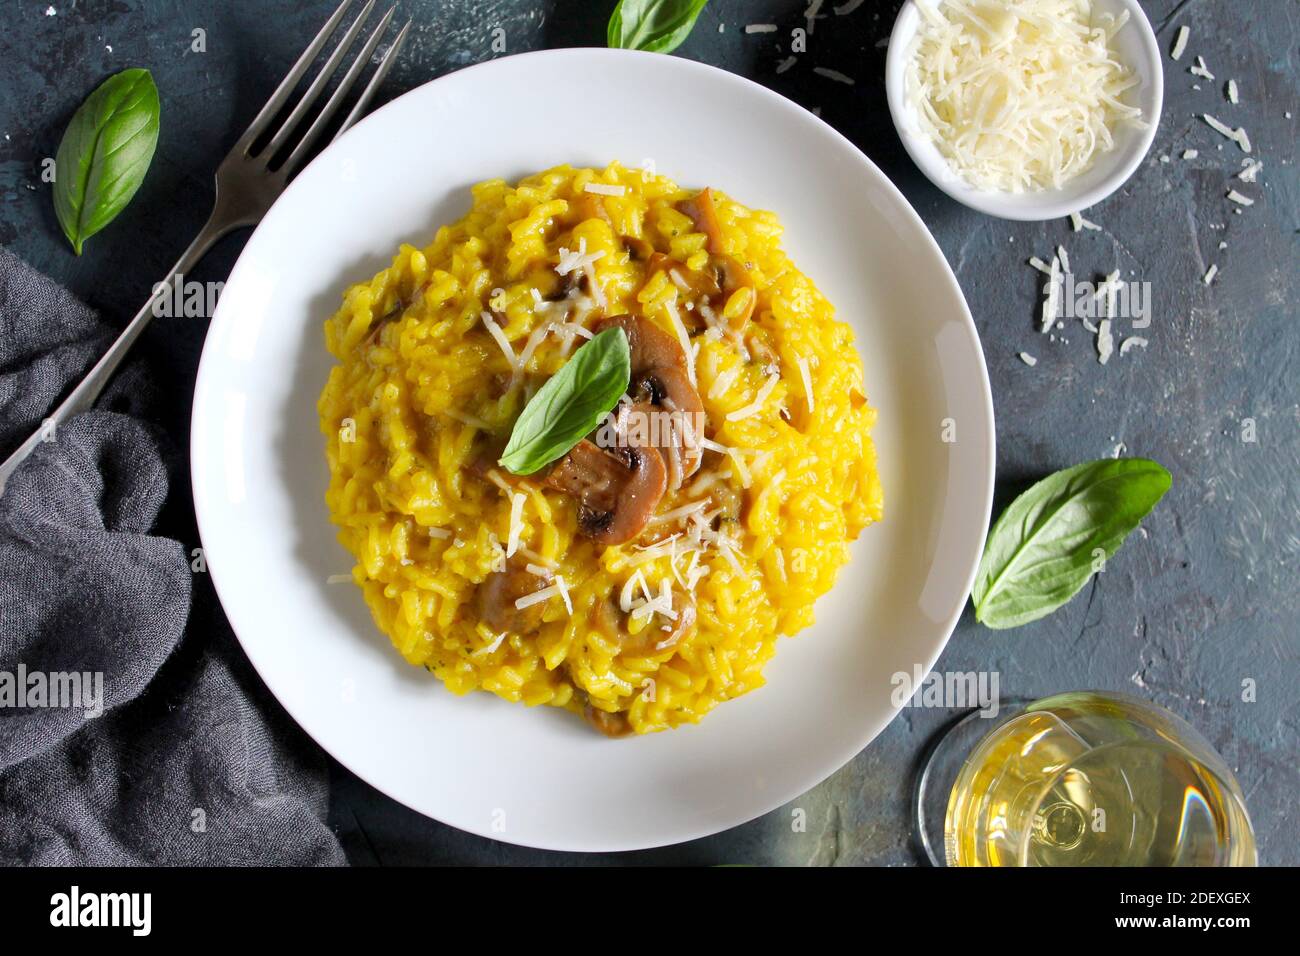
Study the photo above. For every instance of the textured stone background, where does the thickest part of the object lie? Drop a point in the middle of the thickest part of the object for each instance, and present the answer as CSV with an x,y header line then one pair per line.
x,y
1207,598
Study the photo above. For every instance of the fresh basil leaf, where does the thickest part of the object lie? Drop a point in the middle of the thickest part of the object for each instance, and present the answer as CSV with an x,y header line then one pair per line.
x,y
105,153
1044,548
570,404
657,26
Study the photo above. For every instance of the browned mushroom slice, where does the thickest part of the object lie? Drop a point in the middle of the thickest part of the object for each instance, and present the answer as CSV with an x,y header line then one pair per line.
x,y
611,724
731,278
705,216
497,595
654,637
617,489
659,377
714,285
679,437
639,250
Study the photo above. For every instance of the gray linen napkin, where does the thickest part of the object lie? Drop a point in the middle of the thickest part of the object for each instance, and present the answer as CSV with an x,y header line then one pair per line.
x,y
126,736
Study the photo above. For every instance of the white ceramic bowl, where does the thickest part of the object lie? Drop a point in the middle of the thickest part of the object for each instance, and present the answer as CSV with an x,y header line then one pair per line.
x,y
1136,44
539,776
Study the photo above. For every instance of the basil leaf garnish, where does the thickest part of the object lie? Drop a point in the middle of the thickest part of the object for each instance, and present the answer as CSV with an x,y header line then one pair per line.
x,y
571,403
105,153
657,26
1047,543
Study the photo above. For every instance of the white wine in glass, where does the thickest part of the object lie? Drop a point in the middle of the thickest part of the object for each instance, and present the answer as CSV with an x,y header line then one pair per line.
x,y
1095,779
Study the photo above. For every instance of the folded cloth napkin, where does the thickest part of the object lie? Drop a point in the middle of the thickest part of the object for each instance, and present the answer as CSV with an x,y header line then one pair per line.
x,y
126,735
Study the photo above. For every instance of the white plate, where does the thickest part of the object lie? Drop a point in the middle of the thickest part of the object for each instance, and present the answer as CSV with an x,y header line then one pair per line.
x,y
539,777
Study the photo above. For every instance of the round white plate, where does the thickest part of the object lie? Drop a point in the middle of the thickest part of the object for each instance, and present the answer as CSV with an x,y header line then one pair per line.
x,y
538,776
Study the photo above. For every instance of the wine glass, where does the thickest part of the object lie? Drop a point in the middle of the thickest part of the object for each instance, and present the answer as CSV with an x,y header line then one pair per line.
x,y
1082,779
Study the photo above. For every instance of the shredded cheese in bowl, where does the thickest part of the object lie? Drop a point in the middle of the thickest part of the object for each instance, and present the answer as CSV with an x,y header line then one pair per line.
x,y
1018,95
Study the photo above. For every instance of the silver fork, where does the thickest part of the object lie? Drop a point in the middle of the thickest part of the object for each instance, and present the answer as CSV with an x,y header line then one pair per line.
x,y
246,187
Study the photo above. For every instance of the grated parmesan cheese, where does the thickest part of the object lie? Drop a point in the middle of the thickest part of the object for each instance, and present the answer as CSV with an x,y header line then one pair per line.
x,y
1105,342
495,330
1180,43
683,339
806,375
754,407
835,75
1132,342
1232,92
1210,273
604,189
1237,135
1239,199
1018,95
1200,69
516,523
1250,170
1028,359
1077,222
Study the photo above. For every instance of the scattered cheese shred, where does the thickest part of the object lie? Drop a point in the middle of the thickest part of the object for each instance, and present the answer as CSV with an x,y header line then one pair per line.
x,y
573,260
537,597
1237,135
1190,153
806,374
1200,69
1018,96
685,511
495,330
1210,273
1250,170
1239,199
605,189
754,407
1232,92
682,338
1132,342
564,593
1180,43
1105,342
1052,290
835,75
1077,222
723,381
1028,359
516,523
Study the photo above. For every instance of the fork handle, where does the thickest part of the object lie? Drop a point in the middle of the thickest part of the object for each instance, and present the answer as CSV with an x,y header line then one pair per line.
x,y
89,388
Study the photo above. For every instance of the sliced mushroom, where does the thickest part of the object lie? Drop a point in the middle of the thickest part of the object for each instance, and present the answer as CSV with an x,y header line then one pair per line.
x,y
638,250
705,216
611,724
617,489
715,284
659,378
497,595
654,637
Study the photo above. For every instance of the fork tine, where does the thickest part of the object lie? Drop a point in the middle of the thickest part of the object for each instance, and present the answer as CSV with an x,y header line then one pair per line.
x,y
339,95
318,84
386,64
281,94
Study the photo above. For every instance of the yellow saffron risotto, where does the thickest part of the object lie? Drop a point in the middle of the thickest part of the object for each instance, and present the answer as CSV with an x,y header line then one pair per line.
x,y
439,353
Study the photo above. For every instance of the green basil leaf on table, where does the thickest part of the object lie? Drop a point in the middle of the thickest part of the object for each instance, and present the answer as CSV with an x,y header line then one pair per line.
x,y
1042,550
105,153
571,403
657,26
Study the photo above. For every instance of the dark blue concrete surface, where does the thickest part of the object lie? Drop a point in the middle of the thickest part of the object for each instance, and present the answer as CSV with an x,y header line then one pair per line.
x,y
1204,600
